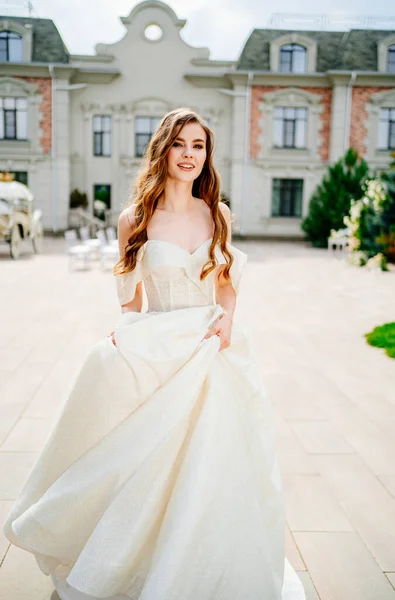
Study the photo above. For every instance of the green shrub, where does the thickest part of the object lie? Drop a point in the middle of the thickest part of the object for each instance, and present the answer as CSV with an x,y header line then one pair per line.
x,y
383,336
331,199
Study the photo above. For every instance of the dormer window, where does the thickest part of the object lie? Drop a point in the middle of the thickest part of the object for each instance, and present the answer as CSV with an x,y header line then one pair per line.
x,y
10,47
391,59
293,59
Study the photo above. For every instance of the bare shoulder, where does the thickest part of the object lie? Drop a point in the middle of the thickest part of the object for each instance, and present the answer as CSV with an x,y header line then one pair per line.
x,y
224,208
226,213
126,219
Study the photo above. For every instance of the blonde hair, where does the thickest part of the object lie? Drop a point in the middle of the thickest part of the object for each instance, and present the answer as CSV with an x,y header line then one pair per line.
x,y
151,184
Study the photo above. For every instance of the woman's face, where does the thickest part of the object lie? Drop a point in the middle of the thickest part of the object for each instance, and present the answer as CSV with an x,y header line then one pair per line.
x,y
187,155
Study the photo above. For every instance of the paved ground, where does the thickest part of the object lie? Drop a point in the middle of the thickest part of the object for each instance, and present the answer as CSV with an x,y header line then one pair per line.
x,y
334,397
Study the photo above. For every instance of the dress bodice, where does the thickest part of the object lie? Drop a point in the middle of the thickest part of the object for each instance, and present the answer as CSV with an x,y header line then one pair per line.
x,y
171,275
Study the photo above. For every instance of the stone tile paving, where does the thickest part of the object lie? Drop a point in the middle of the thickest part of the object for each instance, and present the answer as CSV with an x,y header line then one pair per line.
x,y
334,396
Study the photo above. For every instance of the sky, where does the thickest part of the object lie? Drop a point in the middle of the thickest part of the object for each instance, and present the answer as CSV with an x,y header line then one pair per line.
x,y
221,25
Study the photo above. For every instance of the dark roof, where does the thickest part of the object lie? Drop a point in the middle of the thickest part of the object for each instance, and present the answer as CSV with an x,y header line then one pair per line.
x,y
349,50
48,45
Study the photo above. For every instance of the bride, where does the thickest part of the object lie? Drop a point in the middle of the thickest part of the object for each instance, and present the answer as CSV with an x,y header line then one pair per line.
x,y
159,480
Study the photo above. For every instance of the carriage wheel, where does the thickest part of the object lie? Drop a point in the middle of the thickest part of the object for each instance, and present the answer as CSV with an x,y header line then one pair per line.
x,y
15,242
37,239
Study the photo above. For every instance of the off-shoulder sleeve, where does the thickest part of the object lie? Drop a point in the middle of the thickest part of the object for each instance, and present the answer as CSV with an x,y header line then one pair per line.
x,y
237,268
126,283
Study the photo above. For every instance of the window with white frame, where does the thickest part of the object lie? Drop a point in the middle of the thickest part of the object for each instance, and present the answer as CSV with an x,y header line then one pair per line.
x,y
145,128
289,127
293,59
102,135
387,129
391,59
287,197
11,49
13,118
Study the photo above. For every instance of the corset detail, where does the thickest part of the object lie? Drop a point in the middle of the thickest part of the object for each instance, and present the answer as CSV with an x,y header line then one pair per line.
x,y
171,275
171,289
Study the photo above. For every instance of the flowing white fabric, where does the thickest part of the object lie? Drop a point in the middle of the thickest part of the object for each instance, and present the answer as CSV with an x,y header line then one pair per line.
x,y
160,479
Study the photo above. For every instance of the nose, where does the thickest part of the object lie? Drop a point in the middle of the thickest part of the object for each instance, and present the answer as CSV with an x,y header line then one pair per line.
x,y
187,151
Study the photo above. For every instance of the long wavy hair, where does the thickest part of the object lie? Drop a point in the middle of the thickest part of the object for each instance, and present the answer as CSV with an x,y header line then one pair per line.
x,y
150,186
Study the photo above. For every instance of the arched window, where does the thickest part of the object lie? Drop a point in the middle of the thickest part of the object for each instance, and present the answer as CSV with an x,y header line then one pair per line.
x,y
391,59
10,47
293,59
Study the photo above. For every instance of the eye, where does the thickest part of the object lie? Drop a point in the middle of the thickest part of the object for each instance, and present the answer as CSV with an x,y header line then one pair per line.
x,y
176,144
199,146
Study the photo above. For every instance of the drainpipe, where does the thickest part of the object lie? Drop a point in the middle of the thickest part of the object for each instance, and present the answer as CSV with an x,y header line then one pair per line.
x,y
347,128
246,160
53,152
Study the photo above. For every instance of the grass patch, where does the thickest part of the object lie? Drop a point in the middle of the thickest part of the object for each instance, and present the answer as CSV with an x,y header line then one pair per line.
x,y
383,336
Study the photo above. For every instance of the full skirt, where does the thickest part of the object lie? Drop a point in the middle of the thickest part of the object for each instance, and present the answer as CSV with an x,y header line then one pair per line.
x,y
159,480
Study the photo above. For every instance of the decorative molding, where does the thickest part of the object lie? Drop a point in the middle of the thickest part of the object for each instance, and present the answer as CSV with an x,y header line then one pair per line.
x,y
153,12
293,38
212,114
115,108
149,107
206,62
292,98
382,52
142,6
90,107
10,86
91,58
207,80
383,98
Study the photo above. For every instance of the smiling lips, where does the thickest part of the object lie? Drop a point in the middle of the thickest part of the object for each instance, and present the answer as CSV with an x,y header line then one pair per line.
x,y
186,166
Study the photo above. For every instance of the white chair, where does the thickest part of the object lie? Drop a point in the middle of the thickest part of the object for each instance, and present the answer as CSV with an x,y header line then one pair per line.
x,y
337,243
84,233
77,253
338,240
108,252
92,243
111,234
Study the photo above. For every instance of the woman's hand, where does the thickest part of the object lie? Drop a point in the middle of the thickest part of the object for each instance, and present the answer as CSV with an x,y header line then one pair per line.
x,y
112,338
223,329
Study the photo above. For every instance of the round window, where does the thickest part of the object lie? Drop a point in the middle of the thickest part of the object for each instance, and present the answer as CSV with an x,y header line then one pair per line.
x,y
153,33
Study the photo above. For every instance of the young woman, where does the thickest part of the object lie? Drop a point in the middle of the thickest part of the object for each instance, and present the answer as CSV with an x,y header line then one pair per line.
x,y
160,479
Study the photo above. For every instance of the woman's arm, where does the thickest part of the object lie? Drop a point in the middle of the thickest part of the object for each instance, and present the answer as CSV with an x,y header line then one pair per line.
x,y
224,292
125,224
225,295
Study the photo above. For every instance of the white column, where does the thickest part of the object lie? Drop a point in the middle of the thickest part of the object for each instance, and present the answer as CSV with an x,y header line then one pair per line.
x,y
238,135
116,151
338,121
88,154
61,171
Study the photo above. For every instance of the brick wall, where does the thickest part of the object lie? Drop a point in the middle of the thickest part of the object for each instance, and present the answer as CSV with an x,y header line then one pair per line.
x,y
257,94
358,132
45,108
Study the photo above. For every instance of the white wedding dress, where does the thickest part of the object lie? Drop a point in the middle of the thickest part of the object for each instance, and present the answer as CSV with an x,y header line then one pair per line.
x,y
159,480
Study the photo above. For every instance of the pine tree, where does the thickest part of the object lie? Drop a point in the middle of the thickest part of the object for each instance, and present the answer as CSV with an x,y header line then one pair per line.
x,y
331,199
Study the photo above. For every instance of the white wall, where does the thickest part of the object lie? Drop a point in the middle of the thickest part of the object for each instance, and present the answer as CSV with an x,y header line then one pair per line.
x,y
151,83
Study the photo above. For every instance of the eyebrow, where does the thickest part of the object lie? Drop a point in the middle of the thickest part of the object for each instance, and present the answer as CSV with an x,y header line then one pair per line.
x,y
197,140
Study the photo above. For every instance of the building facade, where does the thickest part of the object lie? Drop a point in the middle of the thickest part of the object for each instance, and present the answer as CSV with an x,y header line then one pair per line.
x,y
291,104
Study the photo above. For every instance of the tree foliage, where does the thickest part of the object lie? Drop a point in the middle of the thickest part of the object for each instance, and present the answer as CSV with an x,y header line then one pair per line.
x,y
331,199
